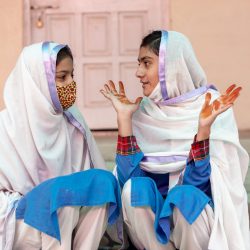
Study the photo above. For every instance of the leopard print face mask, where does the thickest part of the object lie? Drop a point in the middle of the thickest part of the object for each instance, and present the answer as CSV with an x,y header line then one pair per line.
x,y
67,95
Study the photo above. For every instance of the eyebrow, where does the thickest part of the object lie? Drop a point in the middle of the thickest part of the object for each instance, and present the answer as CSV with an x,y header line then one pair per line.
x,y
144,58
64,71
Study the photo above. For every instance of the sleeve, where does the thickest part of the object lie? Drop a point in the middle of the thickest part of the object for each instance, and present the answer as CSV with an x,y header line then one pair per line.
x,y
128,157
198,169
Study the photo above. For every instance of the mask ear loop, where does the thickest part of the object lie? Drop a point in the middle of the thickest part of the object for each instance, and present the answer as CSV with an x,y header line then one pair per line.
x,y
162,64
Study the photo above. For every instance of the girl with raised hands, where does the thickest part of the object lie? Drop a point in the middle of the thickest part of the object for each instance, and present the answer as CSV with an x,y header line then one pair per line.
x,y
179,160
52,194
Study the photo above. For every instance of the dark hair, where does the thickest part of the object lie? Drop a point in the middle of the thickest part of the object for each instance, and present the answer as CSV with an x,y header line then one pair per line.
x,y
63,53
152,41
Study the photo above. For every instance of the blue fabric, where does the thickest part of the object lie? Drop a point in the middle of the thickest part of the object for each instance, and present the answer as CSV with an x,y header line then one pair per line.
x,y
93,187
197,173
128,166
144,192
161,181
188,199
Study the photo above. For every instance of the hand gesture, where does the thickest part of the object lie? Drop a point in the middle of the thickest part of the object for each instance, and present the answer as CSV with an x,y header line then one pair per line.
x,y
209,112
120,102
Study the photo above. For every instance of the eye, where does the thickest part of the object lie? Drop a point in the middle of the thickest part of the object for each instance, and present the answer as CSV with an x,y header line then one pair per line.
x,y
62,78
147,63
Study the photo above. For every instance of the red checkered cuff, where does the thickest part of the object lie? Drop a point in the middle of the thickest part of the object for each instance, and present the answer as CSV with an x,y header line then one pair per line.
x,y
199,150
127,145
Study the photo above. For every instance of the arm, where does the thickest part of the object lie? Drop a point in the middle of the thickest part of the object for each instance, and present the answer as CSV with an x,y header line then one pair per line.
x,y
209,112
198,168
129,154
128,158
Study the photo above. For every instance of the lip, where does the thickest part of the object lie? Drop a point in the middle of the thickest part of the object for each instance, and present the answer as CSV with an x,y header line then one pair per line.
x,y
144,83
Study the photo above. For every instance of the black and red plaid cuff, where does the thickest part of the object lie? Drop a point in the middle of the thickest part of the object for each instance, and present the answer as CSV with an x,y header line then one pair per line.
x,y
199,150
127,145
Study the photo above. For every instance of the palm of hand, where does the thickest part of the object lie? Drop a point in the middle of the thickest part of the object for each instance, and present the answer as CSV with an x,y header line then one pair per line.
x,y
209,112
119,100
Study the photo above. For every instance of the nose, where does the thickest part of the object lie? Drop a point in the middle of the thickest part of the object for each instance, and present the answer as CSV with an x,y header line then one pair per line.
x,y
139,72
71,79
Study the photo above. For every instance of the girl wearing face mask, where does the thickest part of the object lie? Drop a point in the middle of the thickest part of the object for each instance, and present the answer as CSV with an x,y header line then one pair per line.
x,y
52,177
179,160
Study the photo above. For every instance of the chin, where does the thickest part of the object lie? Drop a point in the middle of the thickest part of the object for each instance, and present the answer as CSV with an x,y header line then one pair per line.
x,y
146,92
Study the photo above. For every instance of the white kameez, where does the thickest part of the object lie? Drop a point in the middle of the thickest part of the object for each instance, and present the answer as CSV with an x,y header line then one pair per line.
x,y
140,225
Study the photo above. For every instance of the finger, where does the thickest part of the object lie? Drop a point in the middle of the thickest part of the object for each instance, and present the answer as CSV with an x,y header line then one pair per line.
x,y
216,105
107,88
112,87
207,100
230,88
124,99
121,88
233,98
229,91
105,94
233,95
236,91
223,98
223,109
138,100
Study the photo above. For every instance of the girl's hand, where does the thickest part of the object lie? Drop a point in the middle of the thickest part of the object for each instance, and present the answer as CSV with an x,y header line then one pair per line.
x,y
120,102
209,112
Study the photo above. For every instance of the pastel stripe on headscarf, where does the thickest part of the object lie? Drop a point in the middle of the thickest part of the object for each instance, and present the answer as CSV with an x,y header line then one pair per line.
x,y
49,59
162,67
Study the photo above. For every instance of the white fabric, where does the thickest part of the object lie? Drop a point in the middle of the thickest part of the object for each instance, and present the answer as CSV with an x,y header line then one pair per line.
x,y
181,66
88,223
170,130
140,227
37,143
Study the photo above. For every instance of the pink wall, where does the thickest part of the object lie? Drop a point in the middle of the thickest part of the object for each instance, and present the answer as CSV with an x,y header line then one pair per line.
x,y
219,32
11,41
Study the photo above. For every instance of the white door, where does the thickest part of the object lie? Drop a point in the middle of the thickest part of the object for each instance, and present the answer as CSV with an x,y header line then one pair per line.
x,y
104,36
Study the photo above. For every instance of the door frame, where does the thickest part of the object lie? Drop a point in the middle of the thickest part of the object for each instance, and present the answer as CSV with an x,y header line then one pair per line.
x,y
26,23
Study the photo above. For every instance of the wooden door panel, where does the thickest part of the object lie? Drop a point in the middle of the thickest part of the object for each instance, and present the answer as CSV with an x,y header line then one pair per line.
x,y
96,34
55,24
94,75
127,73
132,27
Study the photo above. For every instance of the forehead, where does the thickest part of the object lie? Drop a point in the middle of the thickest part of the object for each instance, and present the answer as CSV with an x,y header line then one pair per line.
x,y
145,52
65,64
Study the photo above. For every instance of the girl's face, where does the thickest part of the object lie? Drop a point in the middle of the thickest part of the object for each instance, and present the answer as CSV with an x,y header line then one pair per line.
x,y
64,72
65,85
147,70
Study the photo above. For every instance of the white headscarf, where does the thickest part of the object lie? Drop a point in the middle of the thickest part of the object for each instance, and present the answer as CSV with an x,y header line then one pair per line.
x,y
39,140
165,126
